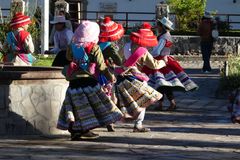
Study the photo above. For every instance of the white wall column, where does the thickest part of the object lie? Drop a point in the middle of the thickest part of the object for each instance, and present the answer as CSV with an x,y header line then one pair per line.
x,y
45,26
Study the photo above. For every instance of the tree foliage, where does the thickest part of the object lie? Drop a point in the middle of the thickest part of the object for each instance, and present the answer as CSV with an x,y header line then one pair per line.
x,y
188,12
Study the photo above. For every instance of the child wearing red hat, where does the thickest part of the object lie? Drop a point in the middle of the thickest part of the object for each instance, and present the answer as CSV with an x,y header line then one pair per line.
x,y
132,91
172,77
86,106
19,46
110,33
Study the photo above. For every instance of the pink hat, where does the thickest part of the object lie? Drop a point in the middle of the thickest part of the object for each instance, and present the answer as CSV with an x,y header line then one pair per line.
x,y
19,20
87,32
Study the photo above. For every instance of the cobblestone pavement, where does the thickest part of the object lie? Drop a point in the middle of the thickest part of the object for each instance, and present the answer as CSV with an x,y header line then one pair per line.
x,y
199,129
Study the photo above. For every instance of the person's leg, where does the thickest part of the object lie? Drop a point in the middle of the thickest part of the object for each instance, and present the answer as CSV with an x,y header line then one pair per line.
x,y
160,105
110,128
138,127
170,97
204,56
209,53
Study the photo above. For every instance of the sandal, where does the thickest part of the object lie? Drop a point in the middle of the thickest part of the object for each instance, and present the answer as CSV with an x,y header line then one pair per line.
x,y
141,130
172,108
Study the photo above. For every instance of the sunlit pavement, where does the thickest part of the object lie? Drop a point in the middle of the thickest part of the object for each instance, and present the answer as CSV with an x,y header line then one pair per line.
x,y
199,129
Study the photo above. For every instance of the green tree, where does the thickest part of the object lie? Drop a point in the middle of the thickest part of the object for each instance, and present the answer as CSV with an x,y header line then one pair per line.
x,y
188,13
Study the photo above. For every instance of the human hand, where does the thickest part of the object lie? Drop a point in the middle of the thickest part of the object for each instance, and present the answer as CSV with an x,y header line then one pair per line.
x,y
113,80
165,59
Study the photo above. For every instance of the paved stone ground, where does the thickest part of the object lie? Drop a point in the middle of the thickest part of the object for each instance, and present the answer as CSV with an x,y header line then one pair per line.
x,y
199,129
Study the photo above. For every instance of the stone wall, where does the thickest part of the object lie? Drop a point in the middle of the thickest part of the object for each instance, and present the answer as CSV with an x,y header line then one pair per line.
x,y
190,45
31,105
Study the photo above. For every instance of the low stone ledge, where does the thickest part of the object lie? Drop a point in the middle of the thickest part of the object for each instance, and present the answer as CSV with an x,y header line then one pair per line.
x,y
31,100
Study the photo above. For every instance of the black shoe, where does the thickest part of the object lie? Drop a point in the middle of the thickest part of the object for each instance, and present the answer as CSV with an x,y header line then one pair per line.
x,y
158,108
110,128
75,136
171,108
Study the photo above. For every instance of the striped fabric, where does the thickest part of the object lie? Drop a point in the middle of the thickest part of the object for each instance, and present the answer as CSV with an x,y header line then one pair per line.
x,y
158,79
187,82
135,94
179,82
89,107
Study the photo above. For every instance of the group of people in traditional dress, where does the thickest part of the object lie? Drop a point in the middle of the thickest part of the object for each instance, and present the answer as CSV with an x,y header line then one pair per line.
x,y
106,87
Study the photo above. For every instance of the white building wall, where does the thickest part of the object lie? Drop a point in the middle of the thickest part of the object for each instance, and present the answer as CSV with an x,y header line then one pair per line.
x,y
126,6
225,7
5,4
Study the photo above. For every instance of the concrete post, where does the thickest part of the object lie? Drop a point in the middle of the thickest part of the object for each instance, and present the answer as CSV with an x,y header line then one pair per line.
x,y
162,10
45,26
226,69
1,17
17,6
61,5
79,13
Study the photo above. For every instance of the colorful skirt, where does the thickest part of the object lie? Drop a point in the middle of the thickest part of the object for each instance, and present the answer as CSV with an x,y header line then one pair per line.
x,y
132,93
172,76
89,108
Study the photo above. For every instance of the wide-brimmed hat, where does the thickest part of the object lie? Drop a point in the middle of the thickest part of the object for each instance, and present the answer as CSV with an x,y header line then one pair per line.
x,y
144,37
58,19
87,32
207,14
110,30
19,20
166,22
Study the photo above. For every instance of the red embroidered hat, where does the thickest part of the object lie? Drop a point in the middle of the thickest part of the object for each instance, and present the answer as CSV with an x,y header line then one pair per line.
x,y
144,37
110,30
19,20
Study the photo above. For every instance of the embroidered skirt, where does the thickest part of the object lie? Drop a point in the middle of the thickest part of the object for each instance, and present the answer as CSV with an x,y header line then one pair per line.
x,y
89,107
172,76
133,93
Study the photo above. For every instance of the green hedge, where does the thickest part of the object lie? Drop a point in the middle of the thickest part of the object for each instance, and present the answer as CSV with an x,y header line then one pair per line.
x,y
232,81
44,61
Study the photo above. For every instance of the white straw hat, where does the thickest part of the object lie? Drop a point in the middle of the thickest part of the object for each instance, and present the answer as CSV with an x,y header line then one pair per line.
x,y
207,14
58,19
166,22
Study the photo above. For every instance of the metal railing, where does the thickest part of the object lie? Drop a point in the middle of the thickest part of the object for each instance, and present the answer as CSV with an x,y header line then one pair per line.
x,y
126,17
128,20
2,10
228,19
